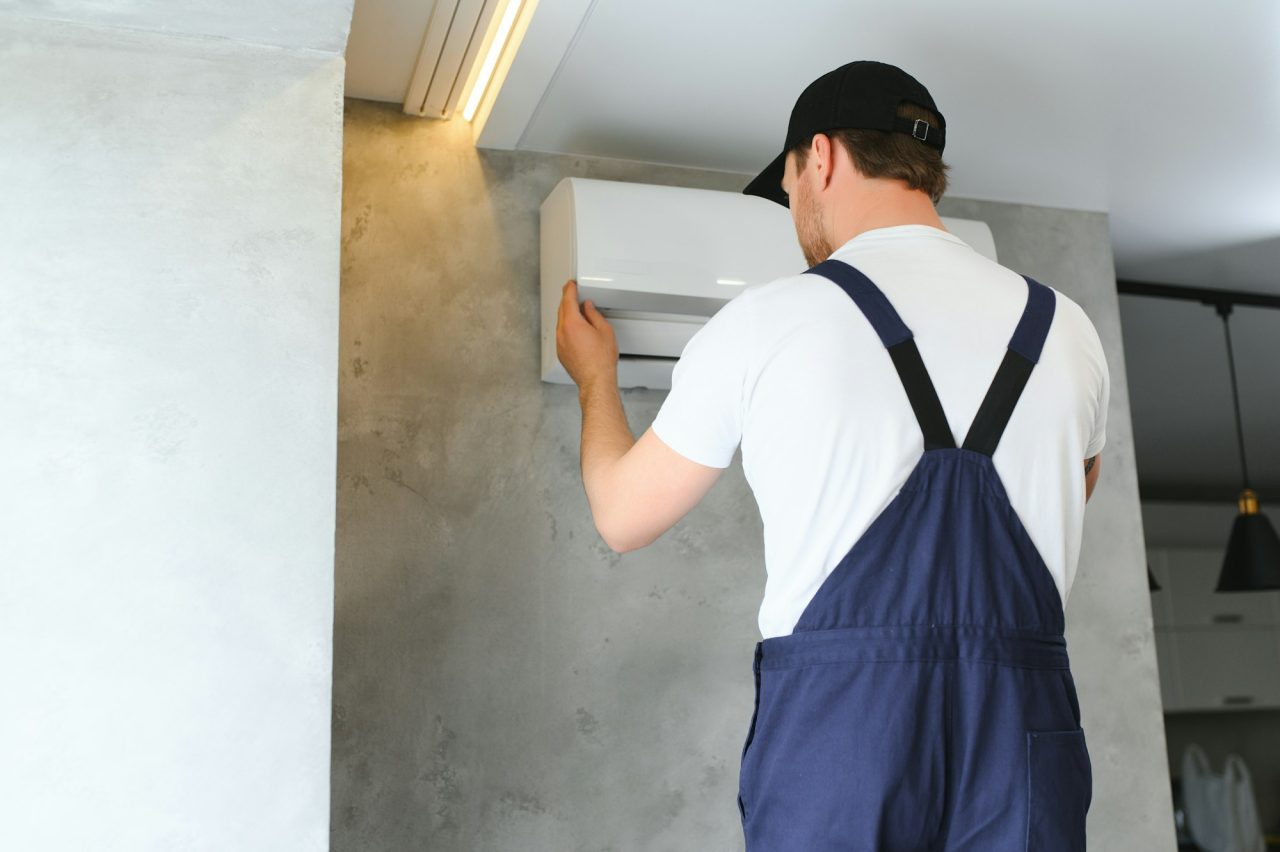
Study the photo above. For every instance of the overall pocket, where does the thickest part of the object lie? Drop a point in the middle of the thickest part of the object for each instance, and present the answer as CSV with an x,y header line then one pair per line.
x,y
1059,790
751,733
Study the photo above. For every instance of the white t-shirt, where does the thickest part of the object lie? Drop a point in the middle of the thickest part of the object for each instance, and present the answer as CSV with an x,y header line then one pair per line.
x,y
794,372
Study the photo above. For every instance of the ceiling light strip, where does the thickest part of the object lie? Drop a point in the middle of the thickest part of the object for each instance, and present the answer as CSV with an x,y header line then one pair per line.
x,y
496,47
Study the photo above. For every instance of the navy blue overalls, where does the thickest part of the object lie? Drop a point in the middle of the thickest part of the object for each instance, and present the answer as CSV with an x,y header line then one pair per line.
x,y
923,700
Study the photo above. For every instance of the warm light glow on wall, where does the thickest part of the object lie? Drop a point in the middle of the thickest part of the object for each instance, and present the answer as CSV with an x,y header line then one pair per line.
x,y
491,59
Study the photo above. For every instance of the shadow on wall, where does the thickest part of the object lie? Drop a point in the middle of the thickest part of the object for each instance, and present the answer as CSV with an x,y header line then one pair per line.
x,y
502,679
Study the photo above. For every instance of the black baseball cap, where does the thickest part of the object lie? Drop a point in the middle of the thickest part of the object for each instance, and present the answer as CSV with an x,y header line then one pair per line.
x,y
859,95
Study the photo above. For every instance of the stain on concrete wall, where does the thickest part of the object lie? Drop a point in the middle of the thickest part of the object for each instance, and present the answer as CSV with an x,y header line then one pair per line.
x,y
502,679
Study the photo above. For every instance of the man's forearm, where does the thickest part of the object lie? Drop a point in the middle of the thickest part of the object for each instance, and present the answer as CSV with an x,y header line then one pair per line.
x,y
606,437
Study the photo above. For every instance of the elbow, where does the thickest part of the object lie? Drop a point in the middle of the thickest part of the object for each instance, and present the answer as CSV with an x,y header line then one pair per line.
x,y
617,543
1092,468
619,548
618,537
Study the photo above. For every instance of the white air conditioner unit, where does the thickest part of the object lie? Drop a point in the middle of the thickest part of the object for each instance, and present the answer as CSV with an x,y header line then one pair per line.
x,y
658,261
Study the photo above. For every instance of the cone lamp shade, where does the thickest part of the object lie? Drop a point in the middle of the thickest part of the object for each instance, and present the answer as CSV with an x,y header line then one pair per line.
x,y
1252,562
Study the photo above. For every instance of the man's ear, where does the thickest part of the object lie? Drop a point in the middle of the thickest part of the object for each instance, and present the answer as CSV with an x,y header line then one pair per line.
x,y
822,154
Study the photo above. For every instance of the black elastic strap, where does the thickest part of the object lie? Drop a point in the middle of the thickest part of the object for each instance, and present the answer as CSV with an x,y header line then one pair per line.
x,y
897,339
922,394
997,406
1021,356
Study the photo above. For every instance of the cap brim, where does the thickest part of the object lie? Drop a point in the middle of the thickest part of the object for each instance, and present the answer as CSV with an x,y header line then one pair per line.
x,y
768,184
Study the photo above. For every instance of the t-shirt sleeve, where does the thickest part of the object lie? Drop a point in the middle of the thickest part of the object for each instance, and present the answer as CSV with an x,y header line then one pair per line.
x,y
1099,435
701,418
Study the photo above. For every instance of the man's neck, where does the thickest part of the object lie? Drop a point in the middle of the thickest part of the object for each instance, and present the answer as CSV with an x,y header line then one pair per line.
x,y
884,209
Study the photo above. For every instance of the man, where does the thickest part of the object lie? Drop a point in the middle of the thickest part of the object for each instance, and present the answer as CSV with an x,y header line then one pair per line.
x,y
912,686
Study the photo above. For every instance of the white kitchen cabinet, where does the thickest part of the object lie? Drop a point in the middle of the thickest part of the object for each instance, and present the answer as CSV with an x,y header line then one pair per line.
x,y
1193,574
1216,651
1167,663
1228,669
1161,607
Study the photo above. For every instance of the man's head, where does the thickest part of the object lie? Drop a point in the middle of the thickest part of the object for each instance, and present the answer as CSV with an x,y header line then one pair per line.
x,y
856,167
864,134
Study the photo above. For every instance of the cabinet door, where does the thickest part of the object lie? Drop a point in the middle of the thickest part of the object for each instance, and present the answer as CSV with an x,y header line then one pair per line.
x,y
1167,666
1161,610
1193,574
1222,669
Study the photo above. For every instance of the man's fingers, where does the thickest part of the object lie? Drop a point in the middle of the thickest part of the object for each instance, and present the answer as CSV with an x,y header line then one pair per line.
x,y
569,300
598,320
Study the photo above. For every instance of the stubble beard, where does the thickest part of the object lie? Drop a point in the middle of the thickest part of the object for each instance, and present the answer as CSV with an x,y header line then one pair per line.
x,y
813,242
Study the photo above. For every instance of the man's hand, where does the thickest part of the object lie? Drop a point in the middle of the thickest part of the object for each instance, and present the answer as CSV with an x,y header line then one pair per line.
x,y
636,489
585,343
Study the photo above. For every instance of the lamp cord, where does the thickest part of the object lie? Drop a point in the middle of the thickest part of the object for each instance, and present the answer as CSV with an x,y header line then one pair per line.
x,y
1224,308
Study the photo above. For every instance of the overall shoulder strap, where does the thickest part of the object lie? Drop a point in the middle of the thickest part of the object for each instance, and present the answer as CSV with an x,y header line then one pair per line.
x,y
1011,377
897,338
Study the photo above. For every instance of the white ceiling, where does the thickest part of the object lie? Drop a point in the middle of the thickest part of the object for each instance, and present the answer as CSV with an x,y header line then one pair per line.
x,y
1165,117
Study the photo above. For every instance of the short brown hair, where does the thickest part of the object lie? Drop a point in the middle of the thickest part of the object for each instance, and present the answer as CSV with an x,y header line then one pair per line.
x,y
888,154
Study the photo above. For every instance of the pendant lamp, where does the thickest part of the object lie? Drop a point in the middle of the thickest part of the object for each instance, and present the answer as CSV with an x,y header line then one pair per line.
x,y
1252,561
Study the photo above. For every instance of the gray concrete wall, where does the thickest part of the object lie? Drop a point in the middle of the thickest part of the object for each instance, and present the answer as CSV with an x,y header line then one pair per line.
x,y
320,25
169,251
503,680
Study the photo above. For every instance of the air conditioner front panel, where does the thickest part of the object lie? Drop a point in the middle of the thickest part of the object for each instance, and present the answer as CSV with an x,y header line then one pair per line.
x,y
676,249
633,294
